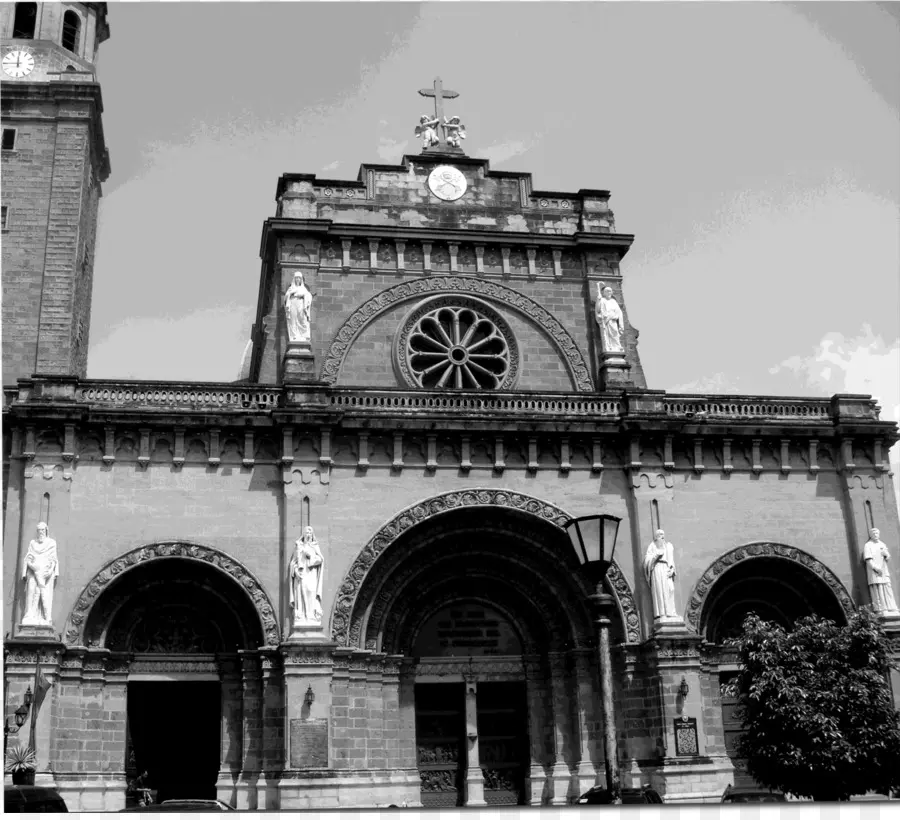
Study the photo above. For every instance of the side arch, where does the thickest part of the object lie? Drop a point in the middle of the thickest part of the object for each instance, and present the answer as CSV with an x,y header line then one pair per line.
x,y
417,288
74,633
762,549
347,623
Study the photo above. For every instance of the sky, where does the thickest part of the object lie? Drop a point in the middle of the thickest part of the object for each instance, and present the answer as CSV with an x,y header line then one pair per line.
x,y
751,148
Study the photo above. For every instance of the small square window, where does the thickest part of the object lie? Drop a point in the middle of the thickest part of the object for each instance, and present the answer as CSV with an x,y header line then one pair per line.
x,y
9,139
4,217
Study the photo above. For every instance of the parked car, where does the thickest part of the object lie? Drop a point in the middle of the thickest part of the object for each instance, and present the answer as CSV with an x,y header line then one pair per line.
x,y
599,796
32,798
185,805
751,794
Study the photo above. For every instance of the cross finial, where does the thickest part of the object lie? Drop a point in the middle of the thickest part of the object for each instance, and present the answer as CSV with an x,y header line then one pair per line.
x,y
439,127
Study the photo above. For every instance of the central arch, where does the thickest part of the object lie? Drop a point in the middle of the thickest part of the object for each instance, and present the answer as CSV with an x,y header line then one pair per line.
x,y
363,598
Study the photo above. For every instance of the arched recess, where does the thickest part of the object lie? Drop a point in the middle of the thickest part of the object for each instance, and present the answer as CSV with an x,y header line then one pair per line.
x,y
469,286
414,555
135,582
779,582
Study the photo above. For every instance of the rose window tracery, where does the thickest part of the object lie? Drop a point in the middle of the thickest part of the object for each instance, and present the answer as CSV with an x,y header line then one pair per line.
x,y
456,342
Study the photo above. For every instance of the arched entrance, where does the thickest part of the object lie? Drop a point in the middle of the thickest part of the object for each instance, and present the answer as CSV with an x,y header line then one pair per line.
x,y
488,609
178,624
780,584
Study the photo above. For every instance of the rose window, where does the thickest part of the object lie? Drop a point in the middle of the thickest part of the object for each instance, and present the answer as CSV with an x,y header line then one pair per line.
x,y
456,342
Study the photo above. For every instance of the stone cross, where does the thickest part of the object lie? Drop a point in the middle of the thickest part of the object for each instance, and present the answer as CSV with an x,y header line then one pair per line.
x,y
440,94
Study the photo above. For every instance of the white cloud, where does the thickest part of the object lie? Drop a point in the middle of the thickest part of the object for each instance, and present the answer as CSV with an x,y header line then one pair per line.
x,y
502,151
861,364
331,165
717,383
206,345
391,150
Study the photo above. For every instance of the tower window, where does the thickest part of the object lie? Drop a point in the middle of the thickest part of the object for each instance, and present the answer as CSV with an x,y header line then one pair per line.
x,y
9,139
25,20
71,28
4,217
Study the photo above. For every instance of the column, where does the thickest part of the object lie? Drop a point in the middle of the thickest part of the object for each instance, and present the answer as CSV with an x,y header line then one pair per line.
x,y
340,709
66,722
251,729
272,729
231,729
114,729
474,776
562,785
586,770
376,754
604,604
538,786
407,709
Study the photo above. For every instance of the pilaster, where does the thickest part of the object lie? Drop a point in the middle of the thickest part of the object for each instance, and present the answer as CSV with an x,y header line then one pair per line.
x,y
564,782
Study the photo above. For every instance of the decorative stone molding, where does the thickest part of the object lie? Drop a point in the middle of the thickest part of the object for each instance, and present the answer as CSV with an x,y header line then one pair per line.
x,y
464,285
75,628
416,514
762,549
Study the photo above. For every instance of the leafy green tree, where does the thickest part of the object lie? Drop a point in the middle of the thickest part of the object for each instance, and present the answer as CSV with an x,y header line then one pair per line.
x,y
816,707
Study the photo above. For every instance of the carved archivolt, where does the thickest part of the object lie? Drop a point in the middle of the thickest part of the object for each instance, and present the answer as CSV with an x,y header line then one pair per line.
x,y
763,549
74,633
416,514
435,285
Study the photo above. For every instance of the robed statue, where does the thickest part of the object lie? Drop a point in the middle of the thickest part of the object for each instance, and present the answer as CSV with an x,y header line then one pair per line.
x,y
305,574
659,570
40,572
611,320
878,576
298,310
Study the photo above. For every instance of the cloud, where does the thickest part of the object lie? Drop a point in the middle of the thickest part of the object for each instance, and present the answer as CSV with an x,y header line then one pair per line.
x,y
331,165
861,364
391,150
717,383
206,345
502,151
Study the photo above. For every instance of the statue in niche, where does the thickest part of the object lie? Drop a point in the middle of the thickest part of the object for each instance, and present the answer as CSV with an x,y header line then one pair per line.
x,y
659,570
305,575
454,131
40,573
611,321
878,576
427,131
297,310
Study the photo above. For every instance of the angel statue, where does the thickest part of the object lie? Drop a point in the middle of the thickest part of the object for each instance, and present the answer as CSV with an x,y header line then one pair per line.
x,y
427,130
454,131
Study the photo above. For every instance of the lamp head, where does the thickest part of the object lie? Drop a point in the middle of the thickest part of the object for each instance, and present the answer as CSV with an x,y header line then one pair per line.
x,y
593,538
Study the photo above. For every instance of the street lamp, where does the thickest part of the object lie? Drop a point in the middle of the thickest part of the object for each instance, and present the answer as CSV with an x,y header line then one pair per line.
x,y
20,715
594,539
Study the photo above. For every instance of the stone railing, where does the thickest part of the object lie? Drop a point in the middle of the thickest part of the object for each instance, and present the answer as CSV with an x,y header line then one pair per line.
x,y
747,407
180,396
475,403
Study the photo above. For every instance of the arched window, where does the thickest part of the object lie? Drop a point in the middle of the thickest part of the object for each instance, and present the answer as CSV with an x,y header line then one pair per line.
x,y
71,28
25,20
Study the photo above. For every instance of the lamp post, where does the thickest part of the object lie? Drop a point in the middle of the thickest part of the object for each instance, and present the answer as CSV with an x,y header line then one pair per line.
x,y
21,715
594,539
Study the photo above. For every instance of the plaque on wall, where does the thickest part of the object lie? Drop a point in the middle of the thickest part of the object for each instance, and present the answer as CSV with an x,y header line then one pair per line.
x,y
686,742
309,744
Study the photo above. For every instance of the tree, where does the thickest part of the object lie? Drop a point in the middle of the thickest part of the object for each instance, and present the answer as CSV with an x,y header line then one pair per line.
x,y
816,707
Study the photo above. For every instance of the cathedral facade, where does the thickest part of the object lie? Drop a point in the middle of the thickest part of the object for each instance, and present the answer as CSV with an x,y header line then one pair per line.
x,y
345,580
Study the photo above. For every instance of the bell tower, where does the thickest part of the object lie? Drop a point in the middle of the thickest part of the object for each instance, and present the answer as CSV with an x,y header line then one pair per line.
x,y
54,160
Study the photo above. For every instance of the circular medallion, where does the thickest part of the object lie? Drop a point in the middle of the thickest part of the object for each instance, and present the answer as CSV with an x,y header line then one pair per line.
x,y
447,183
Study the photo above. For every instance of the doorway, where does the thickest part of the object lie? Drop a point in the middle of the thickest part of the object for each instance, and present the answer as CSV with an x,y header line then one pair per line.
x,y
174,729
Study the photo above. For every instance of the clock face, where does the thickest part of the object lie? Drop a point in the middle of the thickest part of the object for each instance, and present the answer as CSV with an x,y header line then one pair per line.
x,y
18,63
447,183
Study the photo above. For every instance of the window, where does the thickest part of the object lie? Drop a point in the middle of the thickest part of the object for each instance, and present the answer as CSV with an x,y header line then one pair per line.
x,y
71,28
9,139
25,20
4,217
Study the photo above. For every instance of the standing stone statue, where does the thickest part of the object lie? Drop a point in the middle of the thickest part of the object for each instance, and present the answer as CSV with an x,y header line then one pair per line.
x,y
297,310
305,574
659,570
40,573
876,556
611,320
